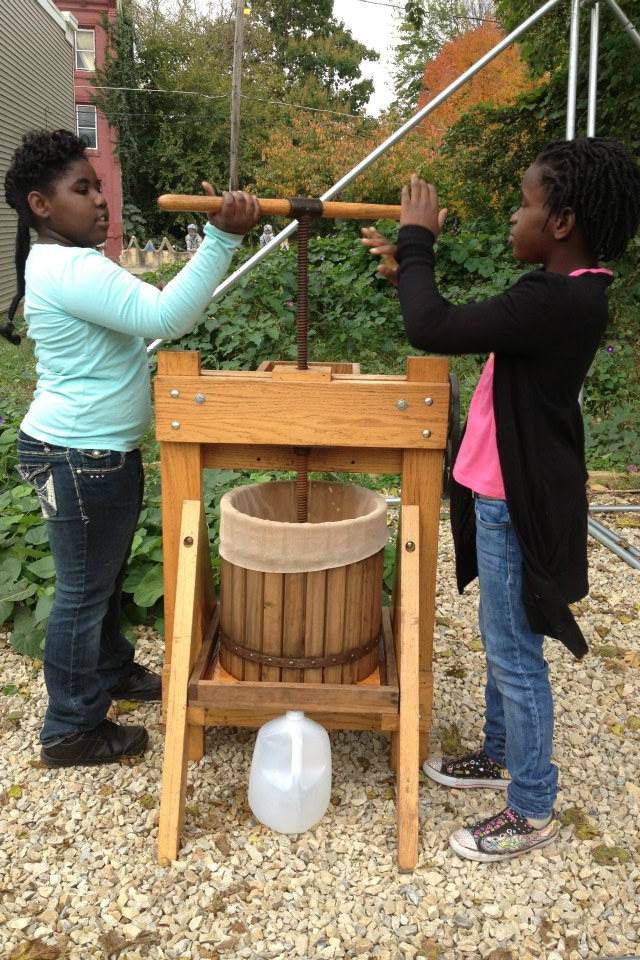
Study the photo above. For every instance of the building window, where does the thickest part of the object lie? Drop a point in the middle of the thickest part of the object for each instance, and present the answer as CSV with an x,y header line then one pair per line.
x,y
85,49
87,124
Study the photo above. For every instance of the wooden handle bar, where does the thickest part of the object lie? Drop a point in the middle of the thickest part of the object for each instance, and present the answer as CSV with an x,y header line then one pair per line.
x,y
283,208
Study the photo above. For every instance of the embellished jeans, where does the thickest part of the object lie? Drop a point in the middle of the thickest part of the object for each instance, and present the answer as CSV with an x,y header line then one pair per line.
x,y
519,705
91,500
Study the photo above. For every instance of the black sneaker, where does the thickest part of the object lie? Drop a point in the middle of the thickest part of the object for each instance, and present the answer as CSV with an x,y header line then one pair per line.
x,y
141,684
468,771
503,836
106,743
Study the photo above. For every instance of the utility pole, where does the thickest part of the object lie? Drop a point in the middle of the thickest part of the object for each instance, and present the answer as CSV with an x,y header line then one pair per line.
x,y
236,82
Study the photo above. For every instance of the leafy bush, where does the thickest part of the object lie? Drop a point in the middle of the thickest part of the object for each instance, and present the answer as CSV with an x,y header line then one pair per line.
x,y
26,568
613,442
611,403
134,223
353,315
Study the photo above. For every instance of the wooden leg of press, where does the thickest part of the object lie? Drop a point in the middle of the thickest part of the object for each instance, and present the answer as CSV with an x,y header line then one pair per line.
x,y
408,671
174,769
205,604
422,485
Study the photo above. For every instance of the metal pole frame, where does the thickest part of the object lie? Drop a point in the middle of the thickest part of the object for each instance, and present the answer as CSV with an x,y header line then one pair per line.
x,y
594,41
291,228
572,89
614,508
611,541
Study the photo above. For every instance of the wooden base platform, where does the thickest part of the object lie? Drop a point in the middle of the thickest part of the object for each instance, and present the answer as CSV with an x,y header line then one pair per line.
x,y
212,688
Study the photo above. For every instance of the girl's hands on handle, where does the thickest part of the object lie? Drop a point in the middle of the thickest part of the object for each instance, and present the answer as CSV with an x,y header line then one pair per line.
x,y
419,206
381,247
240,211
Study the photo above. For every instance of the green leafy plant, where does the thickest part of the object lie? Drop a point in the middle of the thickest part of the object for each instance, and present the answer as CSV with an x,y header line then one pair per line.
x,y
26,569
133,222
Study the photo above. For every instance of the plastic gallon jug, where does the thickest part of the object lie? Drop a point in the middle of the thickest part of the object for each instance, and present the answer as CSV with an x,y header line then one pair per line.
x,y
290,780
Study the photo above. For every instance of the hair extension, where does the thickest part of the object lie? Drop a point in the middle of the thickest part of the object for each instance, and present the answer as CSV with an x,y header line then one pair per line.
x,y
600,181
36,164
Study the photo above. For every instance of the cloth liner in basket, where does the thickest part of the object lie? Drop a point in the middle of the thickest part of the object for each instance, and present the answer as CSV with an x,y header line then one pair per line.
x,y
258,528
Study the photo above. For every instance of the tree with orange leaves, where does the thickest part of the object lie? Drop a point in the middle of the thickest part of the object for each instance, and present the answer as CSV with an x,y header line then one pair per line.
x,y
500,82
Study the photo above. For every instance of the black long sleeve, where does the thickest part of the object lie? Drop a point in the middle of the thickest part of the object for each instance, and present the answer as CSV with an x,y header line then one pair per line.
x,y
525,320
544,332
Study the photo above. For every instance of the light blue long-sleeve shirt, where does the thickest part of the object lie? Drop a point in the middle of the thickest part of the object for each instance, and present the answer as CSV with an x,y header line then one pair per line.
x,y
89,318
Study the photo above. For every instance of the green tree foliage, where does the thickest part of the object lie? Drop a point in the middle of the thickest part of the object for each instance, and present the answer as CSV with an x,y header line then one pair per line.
x,y
486,152
167,141
170,140
122,105
310,48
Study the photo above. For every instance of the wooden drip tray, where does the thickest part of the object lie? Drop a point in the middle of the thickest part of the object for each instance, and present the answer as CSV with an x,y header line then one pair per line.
x,y
212,688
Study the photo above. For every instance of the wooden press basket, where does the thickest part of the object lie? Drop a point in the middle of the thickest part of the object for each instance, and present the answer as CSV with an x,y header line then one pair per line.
x,y
301,602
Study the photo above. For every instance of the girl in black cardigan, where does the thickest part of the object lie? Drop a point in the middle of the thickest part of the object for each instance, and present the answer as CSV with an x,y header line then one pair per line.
x,y
518,500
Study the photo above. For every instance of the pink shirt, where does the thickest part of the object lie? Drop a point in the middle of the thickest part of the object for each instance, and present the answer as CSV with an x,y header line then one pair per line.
x,y
477,465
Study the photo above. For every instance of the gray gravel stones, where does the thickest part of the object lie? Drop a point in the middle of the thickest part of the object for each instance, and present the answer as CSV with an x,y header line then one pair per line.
x,y
77,860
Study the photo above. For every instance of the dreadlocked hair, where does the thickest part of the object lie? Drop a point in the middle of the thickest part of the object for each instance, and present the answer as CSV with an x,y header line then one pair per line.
x,y
600,181
42,158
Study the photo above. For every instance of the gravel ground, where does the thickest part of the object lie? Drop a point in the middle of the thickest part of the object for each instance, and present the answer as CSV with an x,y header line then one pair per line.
x,y
78,877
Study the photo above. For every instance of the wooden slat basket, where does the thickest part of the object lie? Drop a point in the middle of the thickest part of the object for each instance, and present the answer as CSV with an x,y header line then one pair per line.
x,y
301,602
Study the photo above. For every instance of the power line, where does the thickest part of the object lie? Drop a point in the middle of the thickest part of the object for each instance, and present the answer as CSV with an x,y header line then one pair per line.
x,y
225,96
454,16
301,106
379,3
185,93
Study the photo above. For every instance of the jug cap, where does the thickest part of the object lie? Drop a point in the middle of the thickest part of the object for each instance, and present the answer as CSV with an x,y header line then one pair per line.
x,y
295,715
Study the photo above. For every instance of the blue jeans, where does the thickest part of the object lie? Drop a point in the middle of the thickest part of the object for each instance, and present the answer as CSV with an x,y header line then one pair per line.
x,y
91,501
519,705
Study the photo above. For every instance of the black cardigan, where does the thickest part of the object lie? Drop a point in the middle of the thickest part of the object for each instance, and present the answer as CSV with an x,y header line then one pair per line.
x,y
544,332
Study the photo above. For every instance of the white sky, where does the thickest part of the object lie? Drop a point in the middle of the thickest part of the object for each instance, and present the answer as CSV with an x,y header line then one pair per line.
x,y
374,24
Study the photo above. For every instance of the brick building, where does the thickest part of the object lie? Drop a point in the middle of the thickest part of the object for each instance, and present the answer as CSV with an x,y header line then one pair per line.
x,y
90,49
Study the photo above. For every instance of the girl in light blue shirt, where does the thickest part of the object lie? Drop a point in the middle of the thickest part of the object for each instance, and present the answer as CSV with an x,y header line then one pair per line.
x,y
79,440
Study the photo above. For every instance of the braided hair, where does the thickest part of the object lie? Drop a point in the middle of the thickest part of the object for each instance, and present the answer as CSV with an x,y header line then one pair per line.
x,y
600,181
43,157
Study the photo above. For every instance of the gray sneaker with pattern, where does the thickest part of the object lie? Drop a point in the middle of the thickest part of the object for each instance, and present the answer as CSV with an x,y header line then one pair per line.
x,y
503,836
466,772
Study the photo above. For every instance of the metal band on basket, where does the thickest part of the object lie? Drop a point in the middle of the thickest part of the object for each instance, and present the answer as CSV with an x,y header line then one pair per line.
x,y
297,663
